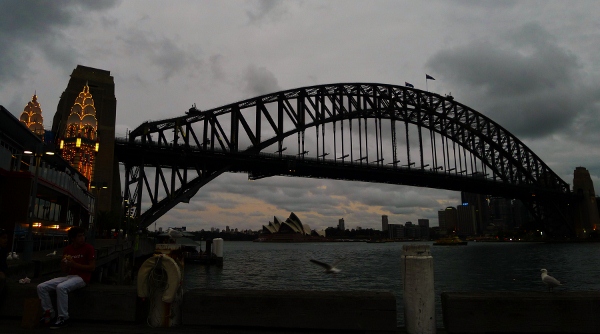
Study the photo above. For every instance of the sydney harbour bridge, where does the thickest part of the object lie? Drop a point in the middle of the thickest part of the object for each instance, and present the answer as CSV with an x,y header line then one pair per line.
x,y
349,131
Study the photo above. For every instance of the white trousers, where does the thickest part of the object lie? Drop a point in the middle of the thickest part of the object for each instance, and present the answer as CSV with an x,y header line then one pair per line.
x,y
62,285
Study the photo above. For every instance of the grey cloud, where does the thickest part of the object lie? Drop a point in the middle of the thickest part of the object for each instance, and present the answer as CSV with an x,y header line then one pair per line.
x,y
216,66
259,81
525,81
264,9
487,4
27,27
165,54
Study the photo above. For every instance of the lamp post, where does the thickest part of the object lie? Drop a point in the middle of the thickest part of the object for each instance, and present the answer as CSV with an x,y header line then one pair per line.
x,y
28,247
98,186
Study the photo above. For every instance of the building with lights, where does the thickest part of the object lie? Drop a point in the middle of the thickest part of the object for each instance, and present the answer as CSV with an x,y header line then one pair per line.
x,y
32,117
80,145
39,191
87,110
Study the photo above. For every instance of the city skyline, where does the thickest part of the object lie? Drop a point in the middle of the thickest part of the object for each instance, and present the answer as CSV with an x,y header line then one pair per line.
x,y
537,77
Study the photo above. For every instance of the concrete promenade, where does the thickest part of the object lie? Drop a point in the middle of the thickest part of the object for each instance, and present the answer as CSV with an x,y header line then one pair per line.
x,y
103,308
13,326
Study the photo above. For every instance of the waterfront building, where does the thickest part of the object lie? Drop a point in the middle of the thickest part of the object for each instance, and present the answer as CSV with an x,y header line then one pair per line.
x,y
520,213
412,231
384,223
424,227
38,191
502,213
396,231
451,219
466,221
291,225
442,222
482,209
290,230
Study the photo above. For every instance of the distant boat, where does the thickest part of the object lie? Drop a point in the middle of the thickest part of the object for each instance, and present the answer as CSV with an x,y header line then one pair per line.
x,y
450,241
377,241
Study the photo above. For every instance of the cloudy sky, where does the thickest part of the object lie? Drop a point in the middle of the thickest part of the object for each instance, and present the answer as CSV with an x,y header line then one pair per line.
x,y
531,66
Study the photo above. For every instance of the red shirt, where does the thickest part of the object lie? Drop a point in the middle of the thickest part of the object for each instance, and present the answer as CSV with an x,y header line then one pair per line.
x,y
84,254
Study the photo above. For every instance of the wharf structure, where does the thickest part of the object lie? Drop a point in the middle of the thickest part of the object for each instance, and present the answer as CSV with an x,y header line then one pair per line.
x,y
39,191
51,180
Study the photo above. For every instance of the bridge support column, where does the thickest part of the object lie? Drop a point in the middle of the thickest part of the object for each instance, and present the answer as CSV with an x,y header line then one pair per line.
x,y
419,294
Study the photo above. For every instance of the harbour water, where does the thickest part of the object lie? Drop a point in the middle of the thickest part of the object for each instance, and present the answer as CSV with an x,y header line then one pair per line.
x,y
491,266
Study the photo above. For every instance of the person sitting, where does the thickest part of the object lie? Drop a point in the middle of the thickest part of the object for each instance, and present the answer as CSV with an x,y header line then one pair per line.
x,y
79,262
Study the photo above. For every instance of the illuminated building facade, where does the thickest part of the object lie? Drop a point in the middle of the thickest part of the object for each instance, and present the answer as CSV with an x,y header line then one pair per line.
x,y
32,117
101,87
80,142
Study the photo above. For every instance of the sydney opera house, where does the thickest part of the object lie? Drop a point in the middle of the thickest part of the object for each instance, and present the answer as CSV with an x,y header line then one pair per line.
x,y
290,230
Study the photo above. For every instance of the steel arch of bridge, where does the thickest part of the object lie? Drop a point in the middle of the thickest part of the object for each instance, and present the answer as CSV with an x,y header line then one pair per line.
x,y
358,129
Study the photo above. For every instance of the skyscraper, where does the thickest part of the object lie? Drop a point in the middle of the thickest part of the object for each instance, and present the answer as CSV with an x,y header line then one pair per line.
x,y
481,207
501,212
451,219
466,222
341,225
442,221
424,227
384,223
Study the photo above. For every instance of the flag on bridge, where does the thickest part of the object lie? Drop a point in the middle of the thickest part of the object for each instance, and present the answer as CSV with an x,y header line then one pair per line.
x,y
408,85
427,76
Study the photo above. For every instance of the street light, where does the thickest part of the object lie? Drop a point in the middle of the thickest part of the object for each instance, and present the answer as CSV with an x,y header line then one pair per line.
x,y
98,186
28,249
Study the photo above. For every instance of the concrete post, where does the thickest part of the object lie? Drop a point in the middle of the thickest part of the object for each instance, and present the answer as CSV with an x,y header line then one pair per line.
x,y
419,294
218,242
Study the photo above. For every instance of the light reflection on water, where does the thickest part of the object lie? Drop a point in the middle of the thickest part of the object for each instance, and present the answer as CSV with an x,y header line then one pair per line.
x,y
376,267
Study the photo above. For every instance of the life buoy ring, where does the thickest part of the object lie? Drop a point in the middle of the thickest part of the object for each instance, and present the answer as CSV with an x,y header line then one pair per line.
x,y
173,277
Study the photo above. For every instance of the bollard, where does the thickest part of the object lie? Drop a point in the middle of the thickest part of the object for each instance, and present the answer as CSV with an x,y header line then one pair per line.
x,y
417,284
218,244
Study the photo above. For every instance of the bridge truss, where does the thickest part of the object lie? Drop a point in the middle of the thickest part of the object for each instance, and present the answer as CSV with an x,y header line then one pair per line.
x,y
352,131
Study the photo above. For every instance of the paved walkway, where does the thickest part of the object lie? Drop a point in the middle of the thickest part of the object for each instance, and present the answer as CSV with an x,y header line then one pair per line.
x,y
13,326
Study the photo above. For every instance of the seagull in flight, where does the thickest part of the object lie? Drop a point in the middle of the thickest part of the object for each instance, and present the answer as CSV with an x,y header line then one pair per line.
x,y
550,281
329,268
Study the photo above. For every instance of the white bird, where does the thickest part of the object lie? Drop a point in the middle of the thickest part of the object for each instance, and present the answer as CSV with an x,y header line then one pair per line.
x,y
12,256
174,234
550,281
51,254
329,268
